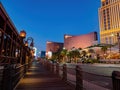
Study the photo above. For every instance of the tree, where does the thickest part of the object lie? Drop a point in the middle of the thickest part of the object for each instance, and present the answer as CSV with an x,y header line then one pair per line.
x,y
75,54
91,51
79,48
69,55
64,54
104,49
83,55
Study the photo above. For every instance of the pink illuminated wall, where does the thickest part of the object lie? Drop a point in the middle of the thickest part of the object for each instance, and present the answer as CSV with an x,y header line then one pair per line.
x,y
53,46
81,41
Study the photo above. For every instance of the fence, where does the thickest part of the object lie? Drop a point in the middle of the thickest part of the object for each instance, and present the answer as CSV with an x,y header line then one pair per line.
x,y
83,80
10,75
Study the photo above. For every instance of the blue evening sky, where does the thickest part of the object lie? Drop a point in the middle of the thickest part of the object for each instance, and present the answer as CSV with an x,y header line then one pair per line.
x,y
49,20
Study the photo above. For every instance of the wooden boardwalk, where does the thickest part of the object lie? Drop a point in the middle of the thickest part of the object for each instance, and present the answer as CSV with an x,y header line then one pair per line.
x,y
38,78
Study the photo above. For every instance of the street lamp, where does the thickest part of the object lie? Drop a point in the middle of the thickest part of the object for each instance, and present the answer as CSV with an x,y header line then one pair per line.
x,y
22,34
31,44
25,42
118,37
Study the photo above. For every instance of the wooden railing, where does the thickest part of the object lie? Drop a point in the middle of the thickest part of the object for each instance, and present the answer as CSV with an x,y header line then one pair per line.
x,y
116,80
79,77
10,75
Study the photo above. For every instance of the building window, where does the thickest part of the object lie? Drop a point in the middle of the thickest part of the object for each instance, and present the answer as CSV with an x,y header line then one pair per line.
x,y
107,2
103,3
110,39
106,39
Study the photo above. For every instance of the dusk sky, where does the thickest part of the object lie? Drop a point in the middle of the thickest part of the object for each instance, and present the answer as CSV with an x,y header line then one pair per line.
x,y
49,20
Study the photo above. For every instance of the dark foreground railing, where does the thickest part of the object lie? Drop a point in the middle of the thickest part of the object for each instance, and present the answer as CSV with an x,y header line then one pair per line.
x,y
61,70
10,75
116,80
84,80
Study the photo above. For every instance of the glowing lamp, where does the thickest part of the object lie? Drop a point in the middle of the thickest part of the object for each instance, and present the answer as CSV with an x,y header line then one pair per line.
x,y
26,43
22,34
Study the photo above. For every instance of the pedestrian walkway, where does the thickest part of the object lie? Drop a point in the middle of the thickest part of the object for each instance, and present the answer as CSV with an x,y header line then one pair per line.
x,y
38,78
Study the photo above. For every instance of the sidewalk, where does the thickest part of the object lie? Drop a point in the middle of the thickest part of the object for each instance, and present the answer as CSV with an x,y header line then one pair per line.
x,y
38,78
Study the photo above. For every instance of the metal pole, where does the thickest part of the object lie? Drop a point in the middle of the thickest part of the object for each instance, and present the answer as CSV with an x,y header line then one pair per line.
x,y
118,37
119,44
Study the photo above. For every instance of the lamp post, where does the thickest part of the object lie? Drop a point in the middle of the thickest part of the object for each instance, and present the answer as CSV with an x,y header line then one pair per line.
x,y
111,42
31,45
118,37
22,34
22,51
25,42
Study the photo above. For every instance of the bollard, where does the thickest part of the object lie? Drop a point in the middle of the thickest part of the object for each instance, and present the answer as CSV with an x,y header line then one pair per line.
x,y
52,67
64,72
116,80
57,69
79,79
47,65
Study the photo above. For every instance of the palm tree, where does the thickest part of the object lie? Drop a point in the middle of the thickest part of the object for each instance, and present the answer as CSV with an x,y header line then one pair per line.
x,y
64,54
91,51
75,54
69,55
104,49
79,48
56,56
83,55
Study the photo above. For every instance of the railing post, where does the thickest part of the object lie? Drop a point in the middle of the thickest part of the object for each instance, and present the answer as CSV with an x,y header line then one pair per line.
x,y
79,79
116,80
52,67
47,65
57,69
64,72
7,78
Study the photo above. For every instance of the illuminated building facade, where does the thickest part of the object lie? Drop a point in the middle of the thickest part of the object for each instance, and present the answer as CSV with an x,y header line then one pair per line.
x,y
80,41
109,21
52,47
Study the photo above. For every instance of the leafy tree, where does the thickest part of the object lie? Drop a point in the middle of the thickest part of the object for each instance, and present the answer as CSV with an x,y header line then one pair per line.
x,y
84,53
104,49
69,55
64,54
79,48
75,54
91,51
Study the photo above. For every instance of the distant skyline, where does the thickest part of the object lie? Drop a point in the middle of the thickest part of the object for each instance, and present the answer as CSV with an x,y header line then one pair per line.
x,y
49,20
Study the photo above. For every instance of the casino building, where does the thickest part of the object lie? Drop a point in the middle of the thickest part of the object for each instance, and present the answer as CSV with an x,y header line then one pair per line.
x,y
52,47
109,21
80,41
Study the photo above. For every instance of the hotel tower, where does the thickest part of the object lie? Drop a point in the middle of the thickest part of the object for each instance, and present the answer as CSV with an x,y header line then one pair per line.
x,y
109,21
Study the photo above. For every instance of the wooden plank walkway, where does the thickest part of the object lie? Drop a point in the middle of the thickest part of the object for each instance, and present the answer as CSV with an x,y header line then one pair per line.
x,y
38,78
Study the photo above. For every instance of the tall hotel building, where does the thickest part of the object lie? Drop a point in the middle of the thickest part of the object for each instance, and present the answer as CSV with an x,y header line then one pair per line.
x,y
109,21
